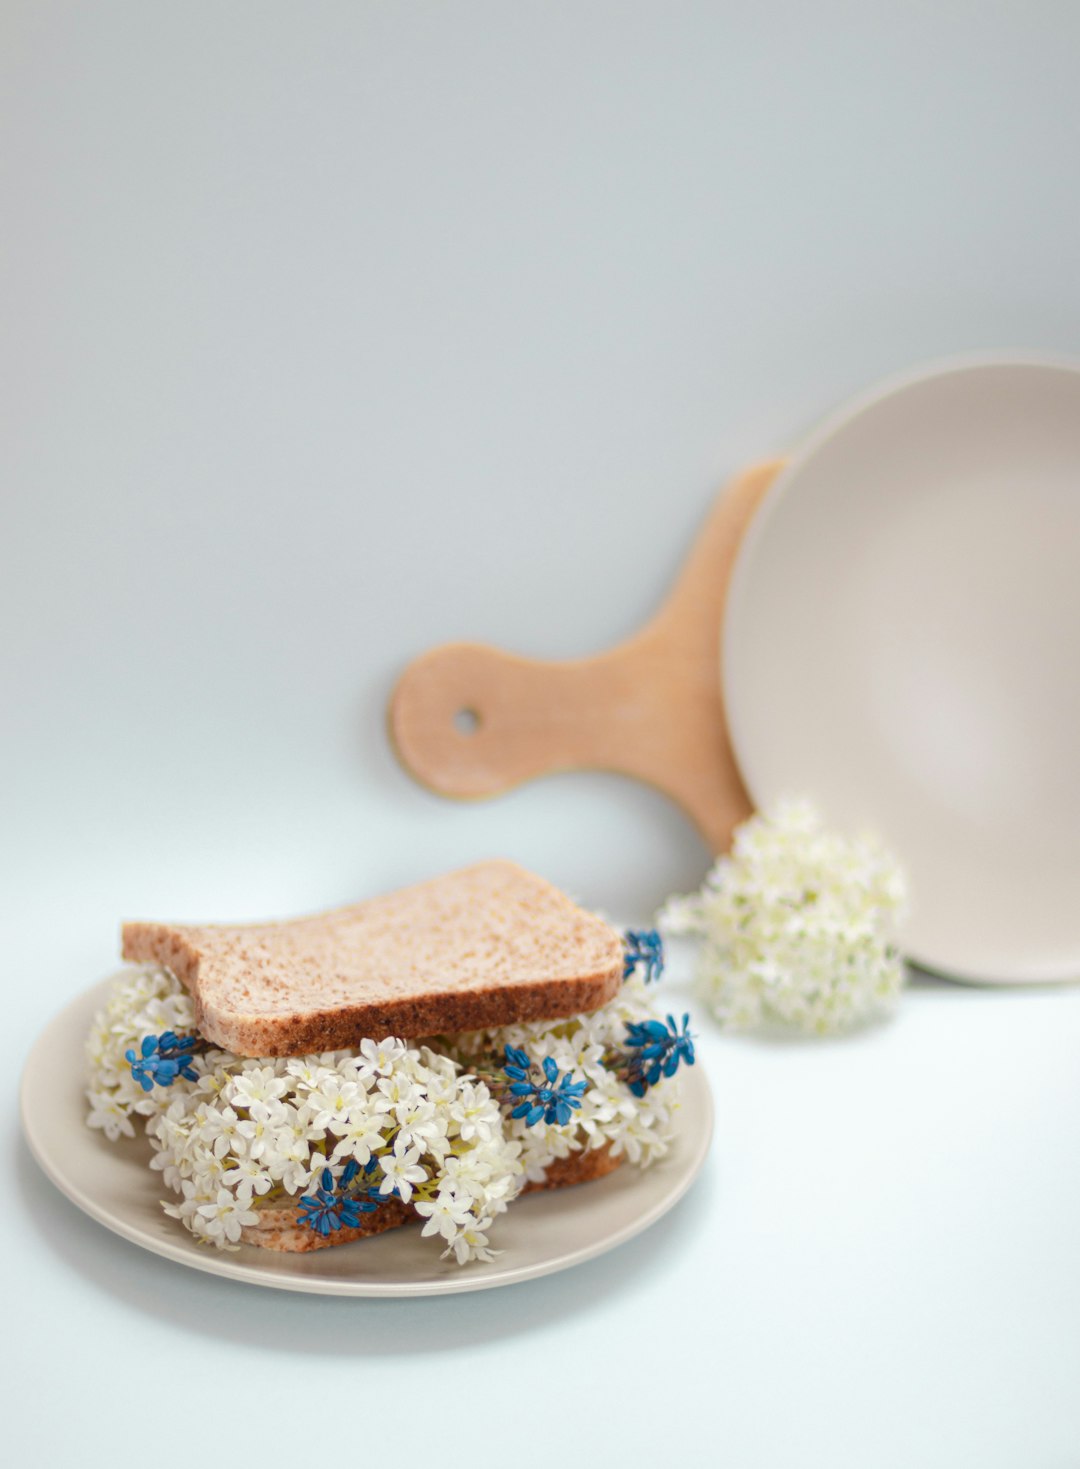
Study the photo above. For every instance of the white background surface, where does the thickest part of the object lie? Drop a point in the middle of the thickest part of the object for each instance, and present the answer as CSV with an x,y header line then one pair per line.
x,y
335,330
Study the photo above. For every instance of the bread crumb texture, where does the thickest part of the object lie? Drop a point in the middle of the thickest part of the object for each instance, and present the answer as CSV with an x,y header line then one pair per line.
x,y
489,945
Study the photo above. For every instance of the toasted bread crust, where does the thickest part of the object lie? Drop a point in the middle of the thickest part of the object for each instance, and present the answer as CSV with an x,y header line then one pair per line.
x,y
490,945
578,1168
280,1228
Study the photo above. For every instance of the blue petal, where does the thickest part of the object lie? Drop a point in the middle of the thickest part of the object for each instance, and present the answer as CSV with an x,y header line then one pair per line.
x,y
551,1071
149,1045
327,1180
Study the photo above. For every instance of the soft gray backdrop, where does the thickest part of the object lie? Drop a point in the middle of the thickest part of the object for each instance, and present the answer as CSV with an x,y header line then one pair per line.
x,y
335,330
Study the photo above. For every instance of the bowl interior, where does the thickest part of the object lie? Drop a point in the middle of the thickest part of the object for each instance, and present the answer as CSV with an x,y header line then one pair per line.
x,y
902,644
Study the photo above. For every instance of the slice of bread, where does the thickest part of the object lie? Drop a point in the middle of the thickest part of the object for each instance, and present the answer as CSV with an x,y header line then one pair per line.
x,y
486,946
280,1228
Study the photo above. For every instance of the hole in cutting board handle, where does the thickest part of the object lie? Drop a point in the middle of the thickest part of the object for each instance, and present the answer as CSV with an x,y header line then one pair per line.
x,y
467,721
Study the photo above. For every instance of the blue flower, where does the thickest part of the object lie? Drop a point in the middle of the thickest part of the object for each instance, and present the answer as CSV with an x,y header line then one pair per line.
x,y
658,1049
329,1208
352,1170
544,1096
162,1058
643,946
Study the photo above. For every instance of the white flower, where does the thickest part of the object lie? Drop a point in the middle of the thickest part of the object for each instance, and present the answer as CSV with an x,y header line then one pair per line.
x,y
422,1127
359,1135
401,1171
256,1137
798,925
191,1196
307,1070
378,1058
207,1171
470,1244
247,1177
446,1215
476,1113
293,1164
224,1218
219,1129
108,1112
257,1085
394,1091
332,1100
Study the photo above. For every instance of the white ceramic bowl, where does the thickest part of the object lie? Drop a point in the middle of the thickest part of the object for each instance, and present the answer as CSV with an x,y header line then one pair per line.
x,y
902,644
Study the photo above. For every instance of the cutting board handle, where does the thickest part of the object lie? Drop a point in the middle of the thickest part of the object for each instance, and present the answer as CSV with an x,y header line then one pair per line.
x,y
469,720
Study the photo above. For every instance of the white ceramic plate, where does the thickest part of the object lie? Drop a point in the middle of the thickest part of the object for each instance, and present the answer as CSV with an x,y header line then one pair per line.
x,y
540,1234
902,644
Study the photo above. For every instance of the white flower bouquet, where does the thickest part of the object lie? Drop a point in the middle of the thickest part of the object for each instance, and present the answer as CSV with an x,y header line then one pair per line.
x,y
797,925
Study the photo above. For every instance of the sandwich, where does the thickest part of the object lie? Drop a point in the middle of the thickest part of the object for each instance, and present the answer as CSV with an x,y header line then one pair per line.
x,y
426,1056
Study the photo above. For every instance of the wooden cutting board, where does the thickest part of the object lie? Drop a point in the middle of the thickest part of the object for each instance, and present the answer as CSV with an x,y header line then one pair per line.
x,y
469,720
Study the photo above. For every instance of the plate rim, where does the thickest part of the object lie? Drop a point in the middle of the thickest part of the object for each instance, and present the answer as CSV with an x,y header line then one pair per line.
x,y
228,1266
826,430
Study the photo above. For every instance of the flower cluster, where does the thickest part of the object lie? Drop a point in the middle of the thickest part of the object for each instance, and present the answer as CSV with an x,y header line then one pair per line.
x,y
656,1050
644,948
331,1137
594,1050
334,1205
798,925
321,1138
144,1001
162,1058
538,1092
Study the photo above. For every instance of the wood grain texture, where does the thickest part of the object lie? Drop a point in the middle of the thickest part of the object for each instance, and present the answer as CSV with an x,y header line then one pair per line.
x,y
651,708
